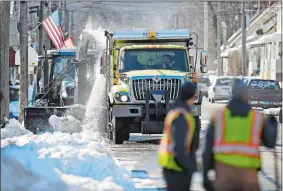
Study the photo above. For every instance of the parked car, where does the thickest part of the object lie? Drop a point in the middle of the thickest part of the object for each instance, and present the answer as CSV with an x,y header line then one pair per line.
x,y
264,93
203,85
220,88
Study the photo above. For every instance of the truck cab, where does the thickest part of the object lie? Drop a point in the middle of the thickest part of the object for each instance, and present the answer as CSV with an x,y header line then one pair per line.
x,y
144,71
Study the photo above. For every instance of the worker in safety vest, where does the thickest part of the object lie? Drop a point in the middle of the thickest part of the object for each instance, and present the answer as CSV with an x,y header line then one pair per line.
x,y
176,154
232,143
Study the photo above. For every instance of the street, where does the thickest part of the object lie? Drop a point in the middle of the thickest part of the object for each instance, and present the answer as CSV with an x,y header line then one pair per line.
x,y
139,155
74,72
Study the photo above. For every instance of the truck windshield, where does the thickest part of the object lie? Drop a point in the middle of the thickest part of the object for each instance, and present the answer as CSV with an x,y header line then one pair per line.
x,y
60,64
264,84
154,59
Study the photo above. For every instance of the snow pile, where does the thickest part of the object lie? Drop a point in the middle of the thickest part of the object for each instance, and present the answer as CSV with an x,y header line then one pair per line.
x,y
23,178
68,124
72,161
13,129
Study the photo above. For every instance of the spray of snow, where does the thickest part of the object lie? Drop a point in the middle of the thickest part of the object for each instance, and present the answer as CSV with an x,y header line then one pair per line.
x,y
94,122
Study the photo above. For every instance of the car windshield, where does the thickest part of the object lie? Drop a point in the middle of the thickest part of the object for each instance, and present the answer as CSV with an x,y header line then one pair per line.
x,y
154,59
224,81
203,80
264,84
61,64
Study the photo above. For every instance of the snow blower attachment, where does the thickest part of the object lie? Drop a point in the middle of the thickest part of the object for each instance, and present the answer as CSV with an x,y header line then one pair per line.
x,y
60,91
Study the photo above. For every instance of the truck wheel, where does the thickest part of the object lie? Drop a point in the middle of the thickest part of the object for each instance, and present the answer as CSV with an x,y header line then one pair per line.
x,y
109,125
118,132
212,100
280,116
198,129
126,135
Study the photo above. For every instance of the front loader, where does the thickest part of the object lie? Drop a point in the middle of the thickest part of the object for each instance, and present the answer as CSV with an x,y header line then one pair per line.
x,y
57,90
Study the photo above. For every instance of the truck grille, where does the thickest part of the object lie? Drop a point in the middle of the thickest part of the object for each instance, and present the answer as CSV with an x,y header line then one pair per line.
x,y
141,85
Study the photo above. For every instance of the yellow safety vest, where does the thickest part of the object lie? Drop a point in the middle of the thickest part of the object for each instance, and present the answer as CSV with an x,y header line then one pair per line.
x,y
237,139
165,153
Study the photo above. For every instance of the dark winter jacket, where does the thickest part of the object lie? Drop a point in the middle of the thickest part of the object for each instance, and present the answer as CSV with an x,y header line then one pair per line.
x,y
237,108
179,132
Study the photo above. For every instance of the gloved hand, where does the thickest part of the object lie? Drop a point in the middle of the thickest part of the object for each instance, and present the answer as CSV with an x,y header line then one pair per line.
x,y
273,119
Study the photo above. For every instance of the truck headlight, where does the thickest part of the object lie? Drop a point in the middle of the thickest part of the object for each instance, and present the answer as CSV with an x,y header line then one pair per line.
x,y
121,98
124,98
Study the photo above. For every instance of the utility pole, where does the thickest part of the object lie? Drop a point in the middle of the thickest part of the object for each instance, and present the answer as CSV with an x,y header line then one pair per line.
x,y
24,58
66,24
205,27
4,59
41,38
243,40
72,24
219,62
177,21
47,11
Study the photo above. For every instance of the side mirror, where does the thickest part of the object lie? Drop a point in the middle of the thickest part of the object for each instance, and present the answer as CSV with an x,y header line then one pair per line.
x,y
203,68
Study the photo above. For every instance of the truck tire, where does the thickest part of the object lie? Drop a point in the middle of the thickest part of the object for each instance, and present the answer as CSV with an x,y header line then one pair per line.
x,y
126,135
109,127
280,116
198,129
118,131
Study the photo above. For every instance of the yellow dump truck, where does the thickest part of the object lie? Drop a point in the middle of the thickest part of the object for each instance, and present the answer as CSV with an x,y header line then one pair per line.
x,y
144,71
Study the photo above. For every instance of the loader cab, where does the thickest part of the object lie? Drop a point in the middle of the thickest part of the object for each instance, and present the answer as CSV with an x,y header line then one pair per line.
x,y
62,72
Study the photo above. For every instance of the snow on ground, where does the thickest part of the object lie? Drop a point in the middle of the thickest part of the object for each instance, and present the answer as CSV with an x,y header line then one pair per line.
x,y
70,161
13,129
68,124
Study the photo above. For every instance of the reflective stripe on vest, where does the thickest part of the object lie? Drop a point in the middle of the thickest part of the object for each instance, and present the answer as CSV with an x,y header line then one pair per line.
x,y
165,153
246,149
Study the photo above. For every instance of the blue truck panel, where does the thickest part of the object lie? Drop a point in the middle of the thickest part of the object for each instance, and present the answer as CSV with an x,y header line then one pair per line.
x,y
144,34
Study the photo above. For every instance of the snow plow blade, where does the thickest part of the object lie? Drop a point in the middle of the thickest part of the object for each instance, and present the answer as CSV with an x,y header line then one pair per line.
x,y
36,119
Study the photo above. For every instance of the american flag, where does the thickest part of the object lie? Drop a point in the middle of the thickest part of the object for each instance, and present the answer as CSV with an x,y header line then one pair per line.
x,y
53,27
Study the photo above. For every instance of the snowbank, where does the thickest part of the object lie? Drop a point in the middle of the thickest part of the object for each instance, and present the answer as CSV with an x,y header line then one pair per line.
x,y
13,129
70,161
68,124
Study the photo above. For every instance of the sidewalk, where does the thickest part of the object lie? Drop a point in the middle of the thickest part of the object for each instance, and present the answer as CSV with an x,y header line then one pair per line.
x,y
267,175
